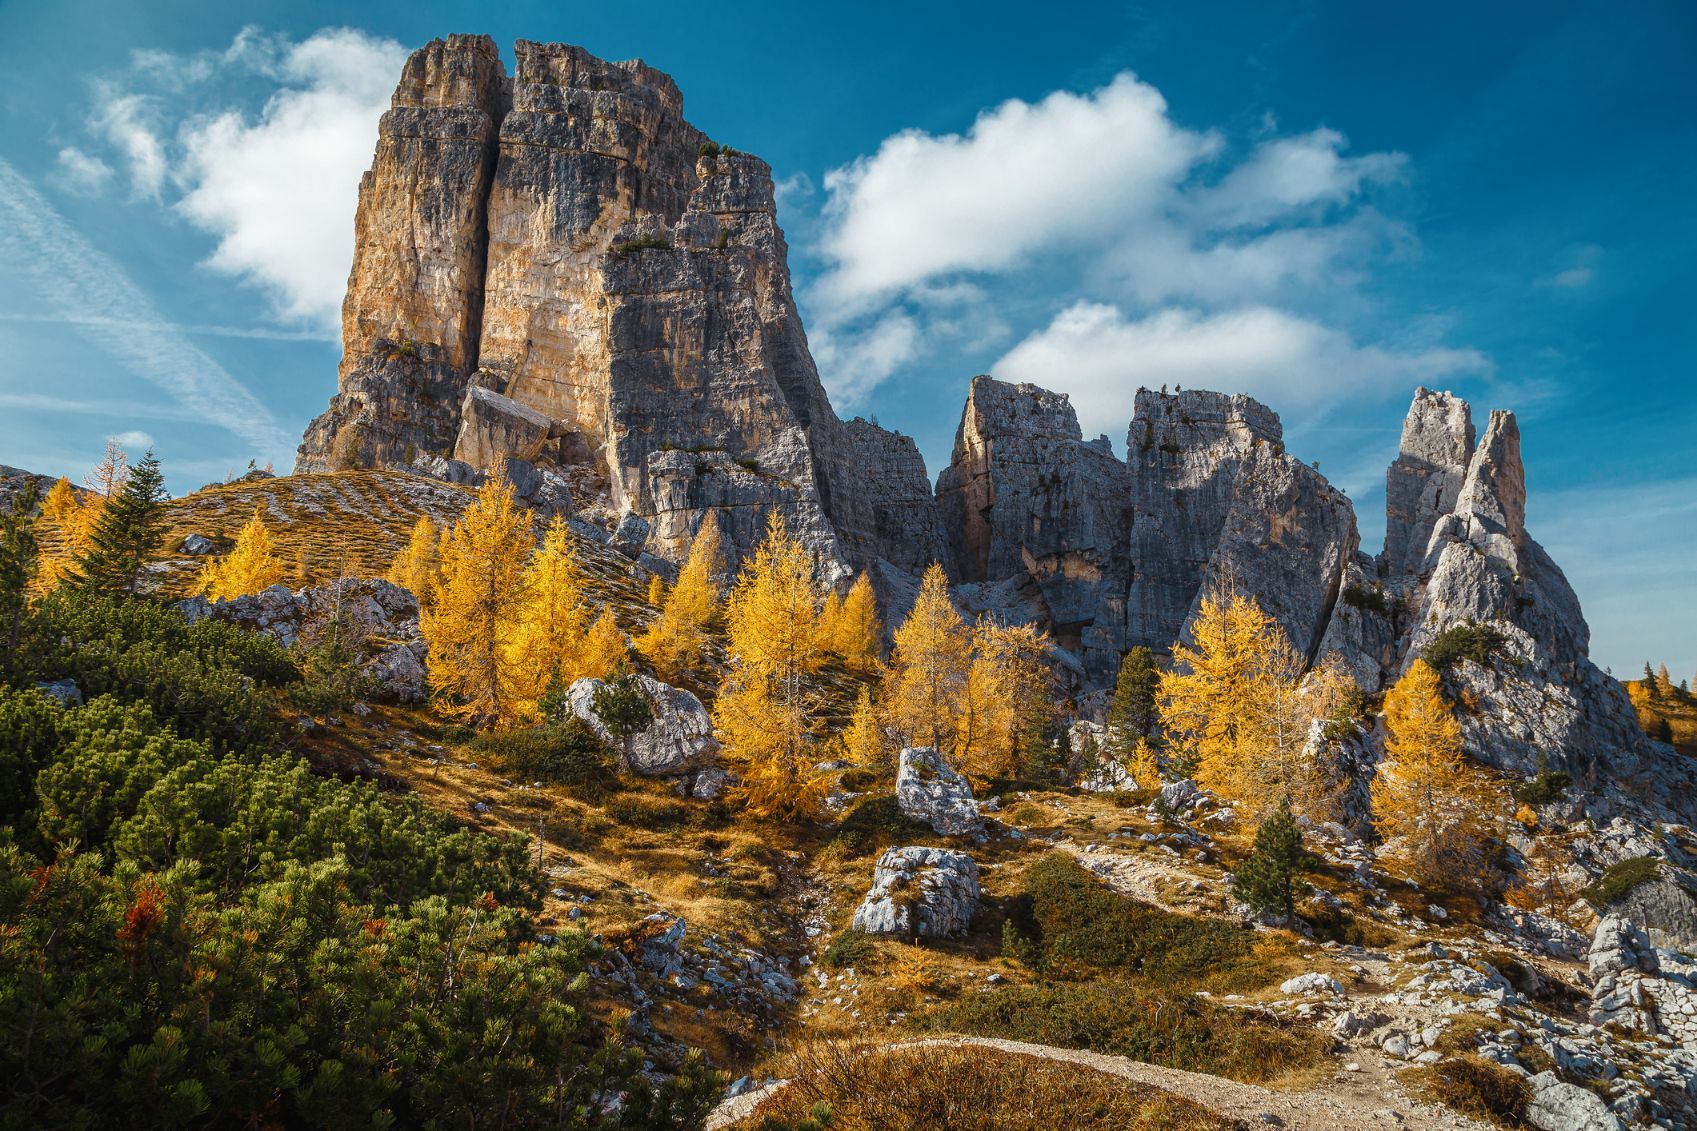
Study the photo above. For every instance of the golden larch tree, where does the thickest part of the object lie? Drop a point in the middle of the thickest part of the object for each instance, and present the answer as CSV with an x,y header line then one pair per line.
x,y
251,565
929,666
1008,699
656,591
474,608
675,642
414,568
765,715
606,649
1144,765
862,741
853,630
550,645
1230,706
1431,804
70,517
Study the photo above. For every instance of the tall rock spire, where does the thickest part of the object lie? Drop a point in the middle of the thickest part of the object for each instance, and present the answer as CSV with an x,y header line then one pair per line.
x,y
1426,478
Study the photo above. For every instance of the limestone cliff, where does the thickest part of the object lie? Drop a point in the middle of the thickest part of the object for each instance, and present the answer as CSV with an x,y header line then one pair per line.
x,y
559,269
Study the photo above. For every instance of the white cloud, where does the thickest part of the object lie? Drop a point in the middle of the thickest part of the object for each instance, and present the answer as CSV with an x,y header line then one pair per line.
x,y
134,442
1098,356
1573,278
858,361
128,122
279,191
82,172
71,278
1103,186
1025,177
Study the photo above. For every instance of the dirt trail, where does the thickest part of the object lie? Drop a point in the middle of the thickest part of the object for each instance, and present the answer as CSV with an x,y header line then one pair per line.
x,y
1369,1098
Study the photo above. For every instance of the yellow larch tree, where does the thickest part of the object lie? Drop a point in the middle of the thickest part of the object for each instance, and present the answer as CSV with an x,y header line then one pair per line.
x,y
414,568
1007,701
862,741
71,517
111,473
606,649
549,642
929,666
852,628
765,715
474,607
1432,805
674,643
656,591
1230,705
1143,765
251,565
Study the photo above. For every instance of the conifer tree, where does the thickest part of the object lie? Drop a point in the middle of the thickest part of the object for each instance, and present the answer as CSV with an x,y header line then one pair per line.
x,y
765,716
548,636
675,642
863,739
1009,701
475,606
858,633
70,517
929,666
1267,879
1131,713
623,708
1231,705
110,474
606,650
1650,686
656,591
1664,682
126,532
251,565
414,568
20,559
1430,802
1144,765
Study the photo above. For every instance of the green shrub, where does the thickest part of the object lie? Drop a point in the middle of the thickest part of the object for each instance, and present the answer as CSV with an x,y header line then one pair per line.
x,y
567,753
1269,878
1545,787
640,243
641,811
858,780
1077,926
874,824
851,948
1470,641
1619,879
1127,1019
331,678
28,737
1368,600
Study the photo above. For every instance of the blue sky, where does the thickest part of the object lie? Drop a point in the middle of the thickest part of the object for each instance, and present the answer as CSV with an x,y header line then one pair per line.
x,y
1321,204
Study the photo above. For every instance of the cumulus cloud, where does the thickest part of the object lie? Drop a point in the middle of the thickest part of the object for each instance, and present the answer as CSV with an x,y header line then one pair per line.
x,y
1144,212
1100,357
134,441
859,360
276,184
280,191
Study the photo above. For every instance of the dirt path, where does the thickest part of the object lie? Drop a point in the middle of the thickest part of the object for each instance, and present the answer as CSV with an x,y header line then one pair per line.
x,y
1369,1098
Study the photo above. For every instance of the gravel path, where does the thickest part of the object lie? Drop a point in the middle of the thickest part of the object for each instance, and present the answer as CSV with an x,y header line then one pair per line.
x,y
1369,1098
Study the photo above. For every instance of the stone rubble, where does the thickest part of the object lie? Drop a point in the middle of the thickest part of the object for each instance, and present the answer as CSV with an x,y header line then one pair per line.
x,y
930,790
920,891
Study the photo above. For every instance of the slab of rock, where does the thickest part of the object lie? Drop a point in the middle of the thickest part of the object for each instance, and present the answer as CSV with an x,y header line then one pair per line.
x,y
1312,983
1425,480
928,892
930,790
494,428
64,691
1559,1106
199,544
678,740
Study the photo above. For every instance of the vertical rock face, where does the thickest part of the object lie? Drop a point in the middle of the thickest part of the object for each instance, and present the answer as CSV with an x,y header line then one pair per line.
x,y
1424,481
566,248
1185,452
411,319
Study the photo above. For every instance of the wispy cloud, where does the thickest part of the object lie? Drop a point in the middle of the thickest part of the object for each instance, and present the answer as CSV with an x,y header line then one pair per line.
x,y
261,333
74,279
82,173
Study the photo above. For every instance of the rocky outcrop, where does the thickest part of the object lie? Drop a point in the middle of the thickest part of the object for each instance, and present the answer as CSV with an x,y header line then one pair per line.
x,y
412,318
678,740
376,620
920,891
930,790
1425,480
561,269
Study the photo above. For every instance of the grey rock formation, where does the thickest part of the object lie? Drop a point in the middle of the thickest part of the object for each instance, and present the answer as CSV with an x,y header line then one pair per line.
x,y
927,892
15,481
928,789
560,268
678,740
1425,480
63,691
377,620
1560,1106
199,544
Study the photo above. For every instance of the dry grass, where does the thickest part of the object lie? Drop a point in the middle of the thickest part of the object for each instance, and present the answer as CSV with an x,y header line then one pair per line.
x,y
1474,1087
968,1089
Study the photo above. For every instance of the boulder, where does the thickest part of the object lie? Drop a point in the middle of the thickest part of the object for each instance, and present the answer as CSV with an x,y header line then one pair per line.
x,y
199,544
494,428
928,789
1559,1106
928,892
379,621
677,741
1312,983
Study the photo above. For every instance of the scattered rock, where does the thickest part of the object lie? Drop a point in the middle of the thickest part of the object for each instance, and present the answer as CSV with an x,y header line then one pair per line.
x,y
928,789
679,739
1560,1106
1312,983
930,892
65,691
